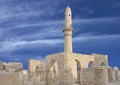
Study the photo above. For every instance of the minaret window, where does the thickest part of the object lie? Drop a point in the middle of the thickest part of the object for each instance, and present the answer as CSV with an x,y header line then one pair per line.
x,y
69,14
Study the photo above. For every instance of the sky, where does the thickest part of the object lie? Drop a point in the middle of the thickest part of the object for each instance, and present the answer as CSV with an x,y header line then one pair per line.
x,y
33,29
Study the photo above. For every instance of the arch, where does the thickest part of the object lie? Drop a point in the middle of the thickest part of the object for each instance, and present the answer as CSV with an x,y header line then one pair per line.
x,y
4,67
53,68
78,72
38,70
52,63
102,64
78,65
90,64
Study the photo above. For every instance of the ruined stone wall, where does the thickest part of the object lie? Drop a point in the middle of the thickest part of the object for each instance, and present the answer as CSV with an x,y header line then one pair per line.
x,y
13,66
9,78
100,59
50,61
1,65
88,76
34,63
24,78
64,76
32,67
81,59
101,76
119,75
71,60
110,74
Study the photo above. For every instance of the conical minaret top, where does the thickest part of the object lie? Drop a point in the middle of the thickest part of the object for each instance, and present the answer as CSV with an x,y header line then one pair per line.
x,y
68,18
68,31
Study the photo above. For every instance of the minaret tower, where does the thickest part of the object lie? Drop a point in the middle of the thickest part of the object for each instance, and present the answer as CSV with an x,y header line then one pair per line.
x,y
68,31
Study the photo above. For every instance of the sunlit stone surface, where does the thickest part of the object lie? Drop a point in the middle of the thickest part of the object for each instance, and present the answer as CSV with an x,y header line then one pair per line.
x,y
66,68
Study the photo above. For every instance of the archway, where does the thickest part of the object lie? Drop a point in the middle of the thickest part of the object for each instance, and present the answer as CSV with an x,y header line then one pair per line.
x,y
78,71
39,71
54,69
53,72
102,64
90,64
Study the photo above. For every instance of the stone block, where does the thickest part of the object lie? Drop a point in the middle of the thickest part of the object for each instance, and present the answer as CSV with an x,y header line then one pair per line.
x,y
13,67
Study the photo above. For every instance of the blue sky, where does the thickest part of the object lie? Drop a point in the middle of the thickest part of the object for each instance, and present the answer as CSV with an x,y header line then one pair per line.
x,y
32,29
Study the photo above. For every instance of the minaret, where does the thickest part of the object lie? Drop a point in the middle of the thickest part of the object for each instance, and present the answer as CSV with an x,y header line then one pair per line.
x,y
68,31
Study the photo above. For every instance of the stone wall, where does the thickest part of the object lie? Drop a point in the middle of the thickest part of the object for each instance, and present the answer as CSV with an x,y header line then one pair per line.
x,y
88,76
1,65
34,63
13,66
119,75
25,77
110,74
101,76
9,78
95,76
63,75
100,60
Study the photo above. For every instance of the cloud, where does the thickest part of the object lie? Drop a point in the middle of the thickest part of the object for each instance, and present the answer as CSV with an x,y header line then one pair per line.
x,y
25,11
1,32
50,33
5,15
89,37
40,23
97,20
13,45
61,22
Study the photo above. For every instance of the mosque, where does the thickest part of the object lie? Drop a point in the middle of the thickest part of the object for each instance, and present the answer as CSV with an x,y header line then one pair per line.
x,y
69,68
65,68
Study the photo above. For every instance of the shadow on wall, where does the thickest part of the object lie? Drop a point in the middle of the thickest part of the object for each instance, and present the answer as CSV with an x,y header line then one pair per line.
x,y
119,75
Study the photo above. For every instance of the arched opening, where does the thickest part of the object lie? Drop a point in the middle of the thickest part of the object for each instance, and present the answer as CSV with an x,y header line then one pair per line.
x,y
90,64
39,72
78,73
53,70
102,64
4,67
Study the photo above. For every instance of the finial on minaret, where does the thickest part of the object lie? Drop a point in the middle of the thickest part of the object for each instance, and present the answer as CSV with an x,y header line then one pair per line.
x,y
68,31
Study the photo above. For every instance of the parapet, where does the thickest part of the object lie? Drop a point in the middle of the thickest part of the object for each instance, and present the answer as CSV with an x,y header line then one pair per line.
x,y
99,55
13,66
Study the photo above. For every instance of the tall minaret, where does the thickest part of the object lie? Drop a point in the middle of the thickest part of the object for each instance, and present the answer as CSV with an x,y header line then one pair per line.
x,y
68,31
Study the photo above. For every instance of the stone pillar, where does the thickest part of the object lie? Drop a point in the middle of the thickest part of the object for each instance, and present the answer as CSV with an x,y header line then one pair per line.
x,y
80,75
25,77
116,73
1,65
110,74
48,77
101,76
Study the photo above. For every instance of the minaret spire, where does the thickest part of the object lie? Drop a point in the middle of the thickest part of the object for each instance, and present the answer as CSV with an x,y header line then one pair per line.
x,y
68,31
68,17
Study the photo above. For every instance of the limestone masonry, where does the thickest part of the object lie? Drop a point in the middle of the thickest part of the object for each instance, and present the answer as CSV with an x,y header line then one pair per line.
x,y
65,68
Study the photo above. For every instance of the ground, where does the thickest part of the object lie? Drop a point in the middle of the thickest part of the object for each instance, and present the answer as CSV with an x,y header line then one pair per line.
x,y
115,83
